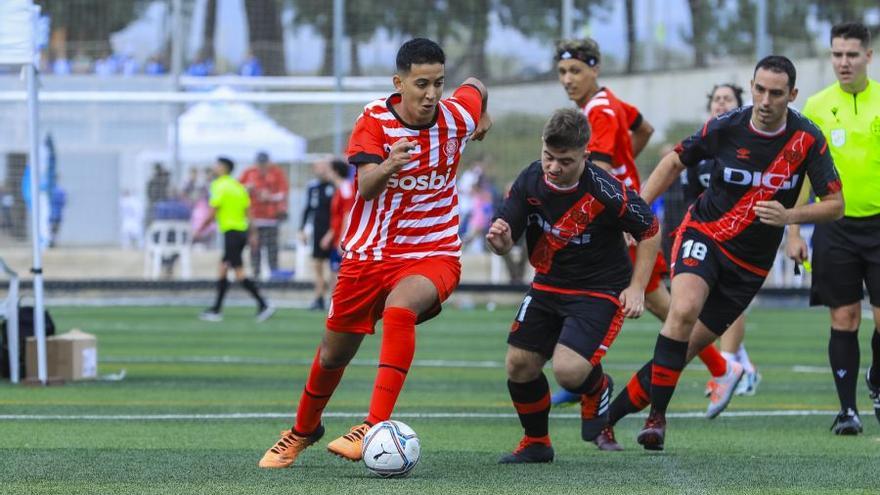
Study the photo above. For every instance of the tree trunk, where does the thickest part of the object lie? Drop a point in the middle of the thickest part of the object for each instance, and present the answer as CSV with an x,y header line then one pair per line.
x,y
207,50
698,30
266,35
479,36
630,37
354,58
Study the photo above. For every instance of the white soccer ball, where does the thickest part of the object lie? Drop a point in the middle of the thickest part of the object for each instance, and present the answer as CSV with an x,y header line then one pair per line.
x,y
391,449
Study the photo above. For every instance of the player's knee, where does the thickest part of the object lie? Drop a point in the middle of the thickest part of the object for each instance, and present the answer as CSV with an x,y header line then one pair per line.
x,y
846,317
521,368
570,375
332,358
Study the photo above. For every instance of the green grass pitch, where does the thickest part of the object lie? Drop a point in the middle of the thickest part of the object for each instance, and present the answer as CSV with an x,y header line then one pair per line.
x,y
174,430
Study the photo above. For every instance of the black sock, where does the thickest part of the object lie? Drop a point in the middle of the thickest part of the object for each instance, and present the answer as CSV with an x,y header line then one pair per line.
x,y
532,403
251,287
843,354
875,360
222,286
591,383
670,356
634,397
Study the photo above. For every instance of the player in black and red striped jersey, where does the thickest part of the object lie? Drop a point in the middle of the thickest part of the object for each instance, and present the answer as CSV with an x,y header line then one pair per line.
x,y
573,215
728,240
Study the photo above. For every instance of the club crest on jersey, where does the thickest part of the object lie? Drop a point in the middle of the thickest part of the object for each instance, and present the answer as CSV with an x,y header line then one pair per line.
x,y
451,147
838,137
755,179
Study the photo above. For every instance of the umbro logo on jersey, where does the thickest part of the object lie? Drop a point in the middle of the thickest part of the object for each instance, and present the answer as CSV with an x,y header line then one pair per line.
x,y
743,153
533,201
792,156
748,178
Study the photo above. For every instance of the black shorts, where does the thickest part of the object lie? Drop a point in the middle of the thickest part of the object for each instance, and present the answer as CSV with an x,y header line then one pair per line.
x,y
585,323
234,242
732,283
319,253
846,255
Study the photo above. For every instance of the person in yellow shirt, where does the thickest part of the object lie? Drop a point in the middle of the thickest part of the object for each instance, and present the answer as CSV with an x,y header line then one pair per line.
x,y
846,253
229,206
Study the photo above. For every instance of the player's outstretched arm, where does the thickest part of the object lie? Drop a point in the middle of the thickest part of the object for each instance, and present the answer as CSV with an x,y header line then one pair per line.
x,y
827,210
499,237
373,177
666,172
485,119
632,298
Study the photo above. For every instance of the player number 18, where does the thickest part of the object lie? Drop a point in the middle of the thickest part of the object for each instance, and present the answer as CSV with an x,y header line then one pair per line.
x,y
694,250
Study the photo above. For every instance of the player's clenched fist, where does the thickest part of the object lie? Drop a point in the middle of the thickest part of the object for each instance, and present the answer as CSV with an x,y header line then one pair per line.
x,y
399,156
499,237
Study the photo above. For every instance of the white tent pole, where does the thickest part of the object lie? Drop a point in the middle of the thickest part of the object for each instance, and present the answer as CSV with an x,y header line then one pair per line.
x,y
37,270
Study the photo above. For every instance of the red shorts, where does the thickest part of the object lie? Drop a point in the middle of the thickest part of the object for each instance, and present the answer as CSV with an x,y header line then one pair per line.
x,y
362,287
660,269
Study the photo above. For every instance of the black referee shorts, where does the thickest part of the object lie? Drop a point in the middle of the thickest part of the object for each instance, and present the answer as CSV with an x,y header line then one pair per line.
x,y
846,257
234,242
731,286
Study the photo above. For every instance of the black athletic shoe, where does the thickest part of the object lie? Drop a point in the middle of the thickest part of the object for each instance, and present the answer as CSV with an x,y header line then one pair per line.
x,y
874,393
847,423
528,452
653,434
594,410
606,441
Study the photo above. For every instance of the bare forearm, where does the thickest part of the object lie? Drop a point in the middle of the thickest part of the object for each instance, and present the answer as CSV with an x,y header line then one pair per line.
x,y
666,172
372,180
646,256
826,210
641,136
803,198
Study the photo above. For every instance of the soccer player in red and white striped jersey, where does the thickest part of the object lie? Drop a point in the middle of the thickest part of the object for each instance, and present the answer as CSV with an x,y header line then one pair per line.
x,y
401,247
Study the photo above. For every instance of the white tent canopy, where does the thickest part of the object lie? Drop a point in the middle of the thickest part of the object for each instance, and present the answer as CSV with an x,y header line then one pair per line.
x,y
16,32
236,130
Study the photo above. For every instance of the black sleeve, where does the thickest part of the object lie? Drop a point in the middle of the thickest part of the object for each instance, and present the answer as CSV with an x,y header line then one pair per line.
x,y
820,167
515,208
308,210
634,215
701,145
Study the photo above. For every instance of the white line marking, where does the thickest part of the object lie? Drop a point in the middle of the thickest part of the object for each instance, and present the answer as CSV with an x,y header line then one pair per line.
x,y
425,363
413,415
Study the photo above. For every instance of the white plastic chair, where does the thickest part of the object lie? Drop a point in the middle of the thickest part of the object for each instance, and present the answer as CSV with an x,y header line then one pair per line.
x,y
165,239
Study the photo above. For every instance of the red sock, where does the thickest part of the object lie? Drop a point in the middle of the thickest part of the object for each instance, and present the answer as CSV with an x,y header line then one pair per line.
x,y
714,361
544,440
319,387
637,394
395,357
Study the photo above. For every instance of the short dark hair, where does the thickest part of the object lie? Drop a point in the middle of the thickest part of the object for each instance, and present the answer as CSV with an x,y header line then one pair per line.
x,y
586,50
340,167
419,51
229,164
737,93
849,30
262,157
567,129
780,65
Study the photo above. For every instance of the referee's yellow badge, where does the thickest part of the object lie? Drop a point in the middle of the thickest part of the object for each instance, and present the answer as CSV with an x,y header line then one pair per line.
x,y
838,137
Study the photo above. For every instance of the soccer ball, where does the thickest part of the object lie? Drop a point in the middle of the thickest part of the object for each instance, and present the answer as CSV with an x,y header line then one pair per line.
x,y
391,449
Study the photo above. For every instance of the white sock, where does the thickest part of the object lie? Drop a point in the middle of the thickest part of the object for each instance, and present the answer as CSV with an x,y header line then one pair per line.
x,y
728,356
743,357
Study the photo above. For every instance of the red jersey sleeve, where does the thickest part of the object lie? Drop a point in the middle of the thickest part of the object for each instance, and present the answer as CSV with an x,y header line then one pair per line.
x,y
633,116
471,99
604,128
366,144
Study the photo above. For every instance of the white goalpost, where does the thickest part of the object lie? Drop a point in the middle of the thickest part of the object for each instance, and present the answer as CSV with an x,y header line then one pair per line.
x,y
18,47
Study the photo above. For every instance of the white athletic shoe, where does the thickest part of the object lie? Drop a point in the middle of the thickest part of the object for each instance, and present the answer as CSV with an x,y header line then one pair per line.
x,y
211,315
723,391
265,314
749,384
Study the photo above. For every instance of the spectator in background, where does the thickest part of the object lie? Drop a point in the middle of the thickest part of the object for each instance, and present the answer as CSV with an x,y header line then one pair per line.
x,y
201,209
317,213
267,185
57,201
251,67
157,189
131,213
481,209
202,66
154,66
340,209
7,201
174,207
61,66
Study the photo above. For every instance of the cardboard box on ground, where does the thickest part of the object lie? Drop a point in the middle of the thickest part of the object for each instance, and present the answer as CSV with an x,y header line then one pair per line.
x,y
71,356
